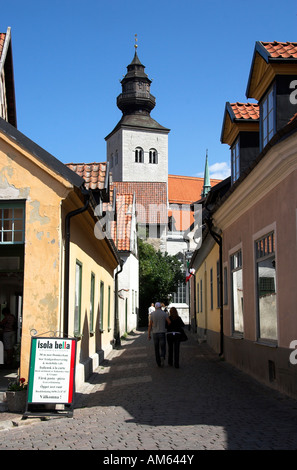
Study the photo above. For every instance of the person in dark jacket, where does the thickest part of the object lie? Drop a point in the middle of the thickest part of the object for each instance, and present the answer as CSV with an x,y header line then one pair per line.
x,y
8,325
174,330
157,324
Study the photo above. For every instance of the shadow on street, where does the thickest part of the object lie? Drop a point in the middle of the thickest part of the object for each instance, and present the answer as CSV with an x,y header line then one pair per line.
x,y
204,392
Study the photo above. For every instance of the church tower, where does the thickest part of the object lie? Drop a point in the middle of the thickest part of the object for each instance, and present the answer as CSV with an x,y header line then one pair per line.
x,y
137,148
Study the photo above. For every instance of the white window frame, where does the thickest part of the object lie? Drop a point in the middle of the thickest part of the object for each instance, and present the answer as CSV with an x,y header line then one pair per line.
x,y
266,332
237,314
78,297
92,301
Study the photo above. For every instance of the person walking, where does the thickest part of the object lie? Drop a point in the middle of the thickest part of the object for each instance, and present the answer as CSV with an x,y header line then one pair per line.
x,y
157,325
150,310
8,324
174,331
164,308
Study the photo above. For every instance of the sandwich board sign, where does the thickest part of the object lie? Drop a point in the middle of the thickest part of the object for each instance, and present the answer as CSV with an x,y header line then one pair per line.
x,y
51,376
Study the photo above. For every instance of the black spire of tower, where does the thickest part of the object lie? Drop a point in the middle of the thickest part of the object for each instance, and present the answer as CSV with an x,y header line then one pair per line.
x,y
136,97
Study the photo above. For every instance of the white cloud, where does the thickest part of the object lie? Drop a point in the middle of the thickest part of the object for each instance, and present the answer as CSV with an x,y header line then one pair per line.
x,y
218,171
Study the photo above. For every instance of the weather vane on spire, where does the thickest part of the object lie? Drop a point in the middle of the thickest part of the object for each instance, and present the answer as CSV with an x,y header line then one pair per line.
x,y
135,45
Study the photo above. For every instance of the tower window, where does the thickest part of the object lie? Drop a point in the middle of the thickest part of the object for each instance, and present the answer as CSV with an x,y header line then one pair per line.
x,y
138,155
153,156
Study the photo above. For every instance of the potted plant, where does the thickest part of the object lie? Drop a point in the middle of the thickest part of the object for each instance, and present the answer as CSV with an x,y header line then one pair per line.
x,y
16,395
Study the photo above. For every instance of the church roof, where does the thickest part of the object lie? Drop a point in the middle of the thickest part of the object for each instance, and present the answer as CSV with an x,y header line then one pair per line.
x,y
136,69
186,189
138,121
151,200
136,60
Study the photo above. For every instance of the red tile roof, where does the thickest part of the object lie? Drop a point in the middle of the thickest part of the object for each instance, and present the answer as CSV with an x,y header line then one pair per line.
x,y
273,53
7,61
186,189
282,50
94,174
245,110
151,200
2,40
123,225
235,115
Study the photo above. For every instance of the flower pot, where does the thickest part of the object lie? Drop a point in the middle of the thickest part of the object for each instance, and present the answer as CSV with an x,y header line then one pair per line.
x,y
16,401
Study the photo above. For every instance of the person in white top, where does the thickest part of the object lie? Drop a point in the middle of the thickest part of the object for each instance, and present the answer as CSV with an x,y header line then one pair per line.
x,y
150,310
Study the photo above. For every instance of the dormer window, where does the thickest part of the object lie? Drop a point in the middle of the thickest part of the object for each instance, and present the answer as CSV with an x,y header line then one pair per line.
x,y
138,155
153,158
267,117
241,131
235,162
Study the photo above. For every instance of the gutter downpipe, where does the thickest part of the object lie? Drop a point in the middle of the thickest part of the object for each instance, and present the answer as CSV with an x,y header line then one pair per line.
x,y
86,193
218,240
195,303
117,339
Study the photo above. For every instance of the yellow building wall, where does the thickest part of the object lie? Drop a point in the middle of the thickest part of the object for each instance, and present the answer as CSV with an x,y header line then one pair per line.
x,y
22,179
48,197
94,257
208,318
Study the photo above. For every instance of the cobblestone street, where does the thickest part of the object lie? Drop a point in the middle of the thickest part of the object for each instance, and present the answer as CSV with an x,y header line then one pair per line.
x,y
131,404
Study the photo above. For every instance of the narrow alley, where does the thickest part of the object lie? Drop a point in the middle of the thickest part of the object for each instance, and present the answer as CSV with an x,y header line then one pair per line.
x,y
131,404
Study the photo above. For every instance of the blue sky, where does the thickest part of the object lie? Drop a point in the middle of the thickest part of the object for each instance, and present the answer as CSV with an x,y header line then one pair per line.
x,y
69,57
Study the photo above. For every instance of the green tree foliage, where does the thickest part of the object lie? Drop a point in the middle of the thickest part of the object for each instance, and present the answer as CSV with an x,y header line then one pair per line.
x,y
159,275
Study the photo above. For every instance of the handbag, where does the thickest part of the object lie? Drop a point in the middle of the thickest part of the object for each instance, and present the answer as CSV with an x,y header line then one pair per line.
x,y
183,336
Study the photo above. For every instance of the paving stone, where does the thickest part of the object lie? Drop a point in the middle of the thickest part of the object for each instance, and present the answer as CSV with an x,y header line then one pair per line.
x,y
131,404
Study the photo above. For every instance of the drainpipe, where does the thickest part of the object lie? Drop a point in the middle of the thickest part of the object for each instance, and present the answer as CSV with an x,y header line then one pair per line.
x,y
218,240
195,305
67,255
117,339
